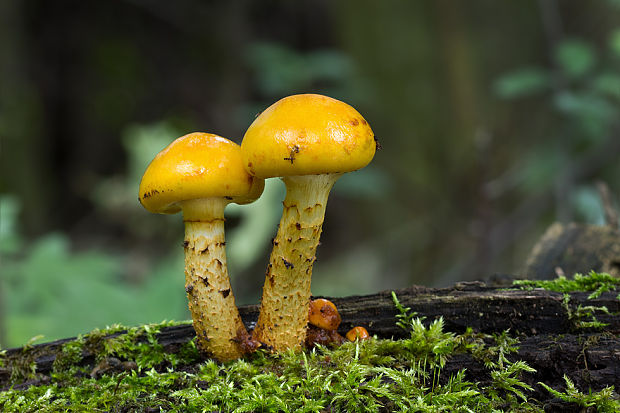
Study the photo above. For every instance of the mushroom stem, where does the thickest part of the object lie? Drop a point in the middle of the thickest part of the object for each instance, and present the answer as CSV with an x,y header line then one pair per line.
x,y
211,300
283,316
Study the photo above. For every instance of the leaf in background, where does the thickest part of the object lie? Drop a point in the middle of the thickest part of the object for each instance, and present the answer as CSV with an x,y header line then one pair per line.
x,y
163,296
282,71
614,43
329,65
607,84
59,293
575,58
522,82
10,241
278,69
248,240
592,114
587,204
49,273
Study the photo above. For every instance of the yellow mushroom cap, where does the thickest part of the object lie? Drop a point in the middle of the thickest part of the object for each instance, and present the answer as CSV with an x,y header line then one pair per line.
x,y
194,166
307,135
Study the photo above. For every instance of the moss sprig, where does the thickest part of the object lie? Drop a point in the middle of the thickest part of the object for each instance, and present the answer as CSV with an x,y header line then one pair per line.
x,y
603,400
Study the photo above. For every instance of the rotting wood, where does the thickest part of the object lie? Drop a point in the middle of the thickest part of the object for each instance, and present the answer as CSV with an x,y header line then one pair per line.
x,y
591,361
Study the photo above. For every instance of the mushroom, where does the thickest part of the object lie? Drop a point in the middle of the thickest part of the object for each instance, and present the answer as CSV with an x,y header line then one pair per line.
x,y
323,320
357,333
309,141
200,174
323,314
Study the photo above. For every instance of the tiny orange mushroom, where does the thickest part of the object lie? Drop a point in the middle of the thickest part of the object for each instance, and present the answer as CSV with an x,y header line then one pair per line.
x,y
323,314
358,333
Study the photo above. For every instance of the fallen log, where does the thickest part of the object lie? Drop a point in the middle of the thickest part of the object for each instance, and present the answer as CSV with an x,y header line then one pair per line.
x,y
557,337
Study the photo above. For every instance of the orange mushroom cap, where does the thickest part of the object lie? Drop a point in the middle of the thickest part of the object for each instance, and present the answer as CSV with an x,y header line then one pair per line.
x,y
195,166
323,314
307,135
357,333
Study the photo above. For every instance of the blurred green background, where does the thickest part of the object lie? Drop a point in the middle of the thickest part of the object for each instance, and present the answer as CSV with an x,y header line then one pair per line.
x,y
496,119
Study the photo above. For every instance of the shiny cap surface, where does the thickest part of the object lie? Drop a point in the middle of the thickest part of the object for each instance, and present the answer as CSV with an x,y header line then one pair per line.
x,y
307,134
194,166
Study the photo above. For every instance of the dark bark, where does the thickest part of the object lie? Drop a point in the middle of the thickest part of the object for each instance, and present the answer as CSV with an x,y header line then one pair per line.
x,y
551,340
591,361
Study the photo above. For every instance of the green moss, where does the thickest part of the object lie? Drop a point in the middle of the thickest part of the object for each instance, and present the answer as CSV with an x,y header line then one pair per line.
x,y
596,282
581,316
23,365
603,400
371,375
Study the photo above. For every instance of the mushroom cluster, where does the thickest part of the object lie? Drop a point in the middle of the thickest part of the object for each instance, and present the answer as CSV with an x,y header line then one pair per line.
x,y
308,141
323,323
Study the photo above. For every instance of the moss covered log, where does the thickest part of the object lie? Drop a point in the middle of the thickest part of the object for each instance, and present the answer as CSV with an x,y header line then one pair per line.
x,y
467,344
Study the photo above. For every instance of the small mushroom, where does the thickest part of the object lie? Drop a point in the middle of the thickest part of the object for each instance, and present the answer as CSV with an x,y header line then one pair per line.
x,y
309,141
200,174
323,314
357,333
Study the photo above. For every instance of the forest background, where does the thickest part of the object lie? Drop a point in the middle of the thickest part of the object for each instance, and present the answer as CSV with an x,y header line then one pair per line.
x,y
496,119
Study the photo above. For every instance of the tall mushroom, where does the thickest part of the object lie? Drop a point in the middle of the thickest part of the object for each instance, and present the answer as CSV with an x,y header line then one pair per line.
x,y
200,174
309,141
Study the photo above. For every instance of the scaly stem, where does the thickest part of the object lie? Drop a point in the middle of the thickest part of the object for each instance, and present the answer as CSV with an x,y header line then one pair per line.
x,y
283,313
211,300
